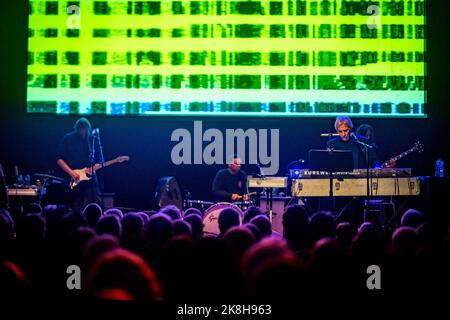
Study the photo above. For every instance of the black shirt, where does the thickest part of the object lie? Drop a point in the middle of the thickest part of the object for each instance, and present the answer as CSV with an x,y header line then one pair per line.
x,y
75,150
359,156
225,184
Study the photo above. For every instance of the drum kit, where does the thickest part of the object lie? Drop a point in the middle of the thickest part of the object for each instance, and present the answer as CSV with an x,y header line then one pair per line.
x,y
211,217
211,212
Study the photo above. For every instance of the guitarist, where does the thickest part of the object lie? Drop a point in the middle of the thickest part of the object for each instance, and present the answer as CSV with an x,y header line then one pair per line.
x,y
367,131
74,153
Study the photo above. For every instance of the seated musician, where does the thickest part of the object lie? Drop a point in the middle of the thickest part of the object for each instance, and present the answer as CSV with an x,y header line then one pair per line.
x,y
230,184
347,140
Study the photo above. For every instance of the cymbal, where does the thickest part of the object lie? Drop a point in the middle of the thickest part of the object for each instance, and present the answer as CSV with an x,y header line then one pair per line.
x,y
48,176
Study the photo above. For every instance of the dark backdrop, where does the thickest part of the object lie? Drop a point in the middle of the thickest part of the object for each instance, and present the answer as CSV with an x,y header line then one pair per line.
x,y
30,140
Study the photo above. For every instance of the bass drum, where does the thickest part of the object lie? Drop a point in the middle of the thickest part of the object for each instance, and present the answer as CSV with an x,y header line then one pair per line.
x,y
211,217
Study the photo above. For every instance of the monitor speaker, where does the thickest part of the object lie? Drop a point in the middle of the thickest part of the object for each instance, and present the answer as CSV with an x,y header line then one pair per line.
x,y
168,193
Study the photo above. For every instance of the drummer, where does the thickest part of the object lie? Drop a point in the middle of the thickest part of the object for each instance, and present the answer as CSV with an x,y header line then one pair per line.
x,y
230,184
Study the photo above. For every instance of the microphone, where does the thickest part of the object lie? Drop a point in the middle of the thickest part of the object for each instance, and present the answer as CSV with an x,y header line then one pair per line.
x,y
355,137
261,172
95,131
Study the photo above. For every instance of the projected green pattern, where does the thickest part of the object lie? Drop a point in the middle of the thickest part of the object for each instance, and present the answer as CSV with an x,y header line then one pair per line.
x,y
273,58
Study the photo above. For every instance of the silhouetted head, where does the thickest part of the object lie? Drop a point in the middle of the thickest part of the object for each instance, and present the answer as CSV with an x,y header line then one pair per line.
x,y
239,239
366,226
114,294
405,238
145,217
325,252
14,283
71,221
172,211
6,237
117,212
263,224
158,231
97,246
5,213
190,211
92,213
328,266
368,246
252,212
412,218
132,226
121,269
262,252
254,230
367,131
345,232
295,226
228,218
181,228
109,224
321,226
196,225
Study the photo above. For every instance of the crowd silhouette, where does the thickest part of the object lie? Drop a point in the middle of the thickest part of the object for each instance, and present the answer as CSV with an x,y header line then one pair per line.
x,y
164,255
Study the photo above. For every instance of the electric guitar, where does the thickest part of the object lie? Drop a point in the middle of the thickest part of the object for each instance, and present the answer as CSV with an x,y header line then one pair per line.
x,y
86,173
418,146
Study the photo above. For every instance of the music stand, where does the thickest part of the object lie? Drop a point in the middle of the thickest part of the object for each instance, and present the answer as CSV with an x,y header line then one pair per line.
x,y
330,161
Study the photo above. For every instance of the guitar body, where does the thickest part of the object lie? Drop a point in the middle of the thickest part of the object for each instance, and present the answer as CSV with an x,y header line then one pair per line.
x,y
84,176
86,173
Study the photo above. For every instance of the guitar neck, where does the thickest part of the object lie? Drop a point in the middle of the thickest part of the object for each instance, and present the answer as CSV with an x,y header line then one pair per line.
x,y
107,163
404,154
401,155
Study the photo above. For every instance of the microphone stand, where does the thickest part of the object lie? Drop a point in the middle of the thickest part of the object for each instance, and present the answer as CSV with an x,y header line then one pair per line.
x,y
366,148
92,154
102,164
269,194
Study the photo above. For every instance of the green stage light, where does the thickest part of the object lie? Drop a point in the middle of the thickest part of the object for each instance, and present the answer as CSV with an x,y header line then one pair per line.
x,y
232,58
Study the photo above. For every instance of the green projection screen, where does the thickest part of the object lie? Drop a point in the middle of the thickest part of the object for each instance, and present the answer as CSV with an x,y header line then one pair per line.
x,y
266,58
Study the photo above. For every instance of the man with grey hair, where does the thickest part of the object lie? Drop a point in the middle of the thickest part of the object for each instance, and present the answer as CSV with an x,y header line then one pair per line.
x,y
347,140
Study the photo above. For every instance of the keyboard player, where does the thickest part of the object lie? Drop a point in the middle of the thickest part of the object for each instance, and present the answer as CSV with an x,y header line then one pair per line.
x,y
347,140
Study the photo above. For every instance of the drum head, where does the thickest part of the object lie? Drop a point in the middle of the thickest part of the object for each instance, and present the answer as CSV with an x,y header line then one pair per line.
x,y
211,217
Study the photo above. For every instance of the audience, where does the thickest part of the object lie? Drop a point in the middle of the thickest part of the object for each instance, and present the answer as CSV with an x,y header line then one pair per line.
x,y
164,254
